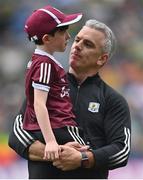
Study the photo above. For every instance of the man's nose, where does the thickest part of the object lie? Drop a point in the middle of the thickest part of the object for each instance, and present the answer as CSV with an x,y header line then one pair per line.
x,y
78,45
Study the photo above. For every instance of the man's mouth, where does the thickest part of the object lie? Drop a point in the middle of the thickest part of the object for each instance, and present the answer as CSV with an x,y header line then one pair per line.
x,y
75,55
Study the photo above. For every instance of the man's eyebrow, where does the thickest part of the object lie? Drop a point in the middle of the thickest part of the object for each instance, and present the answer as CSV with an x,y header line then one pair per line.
x,y
86,40
77,37
89,41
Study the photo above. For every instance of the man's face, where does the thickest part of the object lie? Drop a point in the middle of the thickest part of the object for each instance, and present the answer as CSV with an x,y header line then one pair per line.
x,y
86,49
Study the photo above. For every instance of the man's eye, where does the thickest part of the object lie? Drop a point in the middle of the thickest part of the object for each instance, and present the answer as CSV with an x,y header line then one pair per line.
x,y
76,40
88,45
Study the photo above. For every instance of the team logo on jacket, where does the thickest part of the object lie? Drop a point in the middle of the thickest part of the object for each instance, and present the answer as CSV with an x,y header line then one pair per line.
x,y
93,107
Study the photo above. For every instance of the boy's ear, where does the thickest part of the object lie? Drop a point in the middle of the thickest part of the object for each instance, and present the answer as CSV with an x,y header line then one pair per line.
x,y
46,38
102,59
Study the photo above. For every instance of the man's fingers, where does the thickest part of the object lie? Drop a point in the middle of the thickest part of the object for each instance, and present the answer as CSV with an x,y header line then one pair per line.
x,y
45,155
52,155
61,148
56,155
73,144
84,148
57,164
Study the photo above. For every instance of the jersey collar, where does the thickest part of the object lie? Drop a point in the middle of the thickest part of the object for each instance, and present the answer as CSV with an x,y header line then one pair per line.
x,y
43,53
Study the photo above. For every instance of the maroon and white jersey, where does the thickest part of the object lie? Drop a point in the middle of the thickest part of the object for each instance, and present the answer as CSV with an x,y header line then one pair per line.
x,y
47,74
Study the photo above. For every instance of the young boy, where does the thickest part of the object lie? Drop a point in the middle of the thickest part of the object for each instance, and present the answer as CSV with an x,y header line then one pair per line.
x,y
49,110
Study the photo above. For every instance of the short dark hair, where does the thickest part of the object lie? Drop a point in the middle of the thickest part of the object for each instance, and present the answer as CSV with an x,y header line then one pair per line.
x,y
52,33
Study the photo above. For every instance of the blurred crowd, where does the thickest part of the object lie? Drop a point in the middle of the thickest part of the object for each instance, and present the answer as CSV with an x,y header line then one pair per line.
x,y
124,71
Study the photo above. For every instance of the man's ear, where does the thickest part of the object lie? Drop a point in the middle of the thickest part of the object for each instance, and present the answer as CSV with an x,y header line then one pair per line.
x,y
102,59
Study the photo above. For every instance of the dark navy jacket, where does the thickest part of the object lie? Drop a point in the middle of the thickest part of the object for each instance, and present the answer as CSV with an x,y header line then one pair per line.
x,y
104,116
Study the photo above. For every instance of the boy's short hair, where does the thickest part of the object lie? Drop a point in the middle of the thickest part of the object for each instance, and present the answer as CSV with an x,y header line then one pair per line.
x,y
45,20
52,33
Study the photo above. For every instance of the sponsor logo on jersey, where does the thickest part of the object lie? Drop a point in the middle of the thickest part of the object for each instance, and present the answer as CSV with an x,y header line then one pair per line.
x,y
64,92
93,107
63,80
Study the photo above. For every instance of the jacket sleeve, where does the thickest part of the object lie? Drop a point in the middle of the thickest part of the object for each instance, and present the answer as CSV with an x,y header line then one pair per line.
x,y
19,139
117,128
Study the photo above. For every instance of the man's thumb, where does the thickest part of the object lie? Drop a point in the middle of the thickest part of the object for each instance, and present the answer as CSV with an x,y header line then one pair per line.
x,y
74,144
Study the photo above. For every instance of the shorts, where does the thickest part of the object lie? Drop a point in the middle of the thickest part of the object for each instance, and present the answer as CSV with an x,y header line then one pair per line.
x,y
64,135
45,170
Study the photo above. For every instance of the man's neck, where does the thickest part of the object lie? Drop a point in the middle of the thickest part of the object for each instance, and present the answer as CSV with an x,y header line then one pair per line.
x,y
81,76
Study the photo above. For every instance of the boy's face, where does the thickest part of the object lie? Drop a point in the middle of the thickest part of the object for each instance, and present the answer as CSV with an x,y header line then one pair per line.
x,y
59,41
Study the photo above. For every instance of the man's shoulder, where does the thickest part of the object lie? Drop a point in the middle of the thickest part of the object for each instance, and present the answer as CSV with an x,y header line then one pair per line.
x,y
111,93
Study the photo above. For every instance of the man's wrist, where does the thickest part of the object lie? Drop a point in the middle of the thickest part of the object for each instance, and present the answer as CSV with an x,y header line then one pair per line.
x,y
84,160
87,159
91,159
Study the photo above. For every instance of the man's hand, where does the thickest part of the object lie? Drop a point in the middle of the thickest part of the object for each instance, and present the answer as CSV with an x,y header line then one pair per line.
x,y
36,151
77,146
70,159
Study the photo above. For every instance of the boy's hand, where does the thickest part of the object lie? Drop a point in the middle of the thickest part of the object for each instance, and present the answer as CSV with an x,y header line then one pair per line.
x,y
52,151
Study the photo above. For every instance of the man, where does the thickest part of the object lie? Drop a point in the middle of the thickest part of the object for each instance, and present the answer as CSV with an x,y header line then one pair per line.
x,y
100,111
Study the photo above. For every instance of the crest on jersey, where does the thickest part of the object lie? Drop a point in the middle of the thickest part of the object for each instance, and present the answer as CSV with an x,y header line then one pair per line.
x,y
93,107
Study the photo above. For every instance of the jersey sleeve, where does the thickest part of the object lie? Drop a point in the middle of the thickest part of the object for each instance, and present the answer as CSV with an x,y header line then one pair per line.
x,y
41,76
19,139
117,125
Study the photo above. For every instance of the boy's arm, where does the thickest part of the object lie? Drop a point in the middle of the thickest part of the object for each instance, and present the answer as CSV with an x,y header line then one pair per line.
x,y
42,115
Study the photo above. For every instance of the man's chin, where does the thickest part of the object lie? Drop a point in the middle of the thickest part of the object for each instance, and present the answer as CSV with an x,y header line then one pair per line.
x,y
73,64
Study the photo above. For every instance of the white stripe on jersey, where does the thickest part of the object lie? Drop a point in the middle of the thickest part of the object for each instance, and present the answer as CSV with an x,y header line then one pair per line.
x,y
40,87
25,132
77,132
49,72
41,72
45,71
20,133
122,155
68,127
75,136
16,134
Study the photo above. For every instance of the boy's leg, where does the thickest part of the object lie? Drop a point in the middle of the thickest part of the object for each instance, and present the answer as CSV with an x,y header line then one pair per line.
x,y
69,134
45,170
41,169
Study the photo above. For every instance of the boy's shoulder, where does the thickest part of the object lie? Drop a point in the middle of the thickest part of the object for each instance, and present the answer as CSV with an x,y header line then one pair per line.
x,y
41,58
